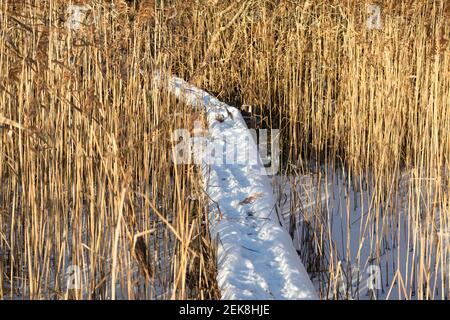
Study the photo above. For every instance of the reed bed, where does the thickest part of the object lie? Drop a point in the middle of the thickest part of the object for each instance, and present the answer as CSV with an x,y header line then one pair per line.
x,y
366,105
85,170
86,177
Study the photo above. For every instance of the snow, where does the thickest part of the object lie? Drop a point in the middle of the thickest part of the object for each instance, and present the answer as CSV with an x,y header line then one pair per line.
x,y
353,238
256,257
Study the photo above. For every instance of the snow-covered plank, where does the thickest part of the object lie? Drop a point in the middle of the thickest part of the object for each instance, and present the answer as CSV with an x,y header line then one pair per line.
x,y
256,257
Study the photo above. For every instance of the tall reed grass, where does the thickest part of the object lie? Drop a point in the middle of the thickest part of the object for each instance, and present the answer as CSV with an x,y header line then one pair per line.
x,y
85,170
86,177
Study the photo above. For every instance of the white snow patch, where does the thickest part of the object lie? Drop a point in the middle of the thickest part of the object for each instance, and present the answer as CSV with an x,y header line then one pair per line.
x,y
256,257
